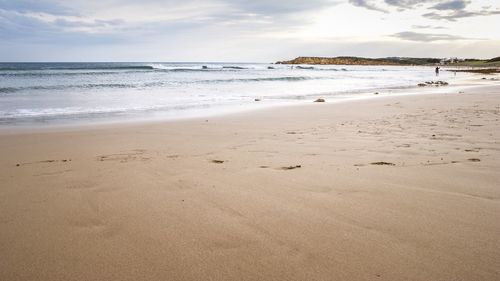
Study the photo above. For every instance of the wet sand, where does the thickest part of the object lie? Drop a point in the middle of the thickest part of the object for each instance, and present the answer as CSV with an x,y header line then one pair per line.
x,y
392,188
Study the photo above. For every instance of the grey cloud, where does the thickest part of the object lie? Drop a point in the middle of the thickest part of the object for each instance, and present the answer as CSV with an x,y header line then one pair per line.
x,y
18,27
366,4
457,10
427,27
399,4
453,16
407,4
451,5
426,37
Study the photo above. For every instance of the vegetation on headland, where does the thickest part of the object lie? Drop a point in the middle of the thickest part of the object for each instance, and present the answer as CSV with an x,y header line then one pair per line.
x,y
340,61
494,62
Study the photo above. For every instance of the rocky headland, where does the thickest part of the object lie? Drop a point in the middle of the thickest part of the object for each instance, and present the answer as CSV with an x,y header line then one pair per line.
x,y
345,60
341,61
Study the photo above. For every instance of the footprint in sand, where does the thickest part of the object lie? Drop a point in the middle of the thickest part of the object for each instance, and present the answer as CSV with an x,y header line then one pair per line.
x,y
53,173
134,155
80,185
44,162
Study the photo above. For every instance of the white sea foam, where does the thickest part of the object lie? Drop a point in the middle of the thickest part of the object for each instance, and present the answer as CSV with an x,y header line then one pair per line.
x,y
100,91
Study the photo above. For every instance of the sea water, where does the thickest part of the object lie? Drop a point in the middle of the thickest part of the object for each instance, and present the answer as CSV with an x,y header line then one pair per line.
x,y
55,93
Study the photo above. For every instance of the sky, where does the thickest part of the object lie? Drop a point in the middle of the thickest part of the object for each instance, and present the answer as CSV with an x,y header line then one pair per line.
x,y
245,31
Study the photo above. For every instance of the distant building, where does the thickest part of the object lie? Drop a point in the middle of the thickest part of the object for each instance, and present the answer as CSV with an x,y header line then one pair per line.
x,y
450,60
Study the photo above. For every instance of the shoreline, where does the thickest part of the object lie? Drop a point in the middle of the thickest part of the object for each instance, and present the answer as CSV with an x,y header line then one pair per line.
x,y
469,82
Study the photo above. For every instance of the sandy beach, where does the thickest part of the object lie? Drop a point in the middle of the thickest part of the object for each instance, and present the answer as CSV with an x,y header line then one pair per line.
x,y
389,188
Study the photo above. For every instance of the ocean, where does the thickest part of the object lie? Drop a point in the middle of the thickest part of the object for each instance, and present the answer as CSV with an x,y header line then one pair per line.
x,y
71,93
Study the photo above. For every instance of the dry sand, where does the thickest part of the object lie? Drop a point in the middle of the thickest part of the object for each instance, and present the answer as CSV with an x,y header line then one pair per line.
x,y
296,196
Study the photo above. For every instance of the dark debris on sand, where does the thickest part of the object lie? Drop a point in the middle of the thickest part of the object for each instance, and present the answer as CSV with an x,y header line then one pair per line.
x,y
291,167
381,163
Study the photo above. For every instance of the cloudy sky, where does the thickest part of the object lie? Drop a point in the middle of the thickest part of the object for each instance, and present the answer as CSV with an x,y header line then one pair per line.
x,y
239,30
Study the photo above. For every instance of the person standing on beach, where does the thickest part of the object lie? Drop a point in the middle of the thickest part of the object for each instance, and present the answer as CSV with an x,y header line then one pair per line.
x,y
437,70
